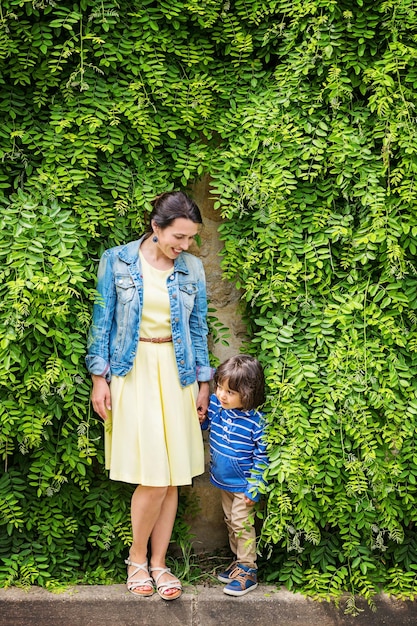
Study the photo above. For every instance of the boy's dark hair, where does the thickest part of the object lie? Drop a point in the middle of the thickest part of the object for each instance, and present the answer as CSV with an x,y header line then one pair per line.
x,y
245,375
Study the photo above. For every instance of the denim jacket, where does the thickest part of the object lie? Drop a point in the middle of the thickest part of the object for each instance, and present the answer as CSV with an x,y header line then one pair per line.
x,y
114,334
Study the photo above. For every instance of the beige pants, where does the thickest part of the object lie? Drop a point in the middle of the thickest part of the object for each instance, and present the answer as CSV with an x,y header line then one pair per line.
x,y
240,527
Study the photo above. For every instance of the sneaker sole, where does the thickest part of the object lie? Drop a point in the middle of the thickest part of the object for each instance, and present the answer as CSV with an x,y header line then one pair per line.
x,y
232,592
224,579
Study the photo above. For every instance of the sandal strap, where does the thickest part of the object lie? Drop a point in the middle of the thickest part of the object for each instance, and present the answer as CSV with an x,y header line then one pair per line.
x,y
140,565
140,582
173,584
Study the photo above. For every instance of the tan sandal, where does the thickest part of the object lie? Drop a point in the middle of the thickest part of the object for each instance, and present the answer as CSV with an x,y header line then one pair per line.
x,y
162,588
133,585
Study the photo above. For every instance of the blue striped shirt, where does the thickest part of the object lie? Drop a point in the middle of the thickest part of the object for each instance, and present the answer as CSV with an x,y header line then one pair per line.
x,y
237,449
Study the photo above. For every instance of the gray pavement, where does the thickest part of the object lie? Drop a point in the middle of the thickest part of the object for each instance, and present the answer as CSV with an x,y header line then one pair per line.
x,y
199,606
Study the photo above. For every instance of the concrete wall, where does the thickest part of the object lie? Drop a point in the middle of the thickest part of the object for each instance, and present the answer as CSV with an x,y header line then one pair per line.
x,y
208,525
222,294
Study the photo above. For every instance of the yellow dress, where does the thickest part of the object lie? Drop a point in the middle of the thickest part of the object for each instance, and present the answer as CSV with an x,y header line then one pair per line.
x,y
153,435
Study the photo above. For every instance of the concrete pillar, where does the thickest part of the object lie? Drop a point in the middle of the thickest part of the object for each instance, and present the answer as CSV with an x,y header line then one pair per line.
x,y
208,525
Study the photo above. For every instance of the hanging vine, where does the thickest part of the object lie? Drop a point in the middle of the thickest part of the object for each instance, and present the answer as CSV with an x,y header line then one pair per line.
x,y
303,114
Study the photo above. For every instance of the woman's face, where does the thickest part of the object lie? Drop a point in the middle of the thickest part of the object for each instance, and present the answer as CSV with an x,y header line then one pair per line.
x,y
175,238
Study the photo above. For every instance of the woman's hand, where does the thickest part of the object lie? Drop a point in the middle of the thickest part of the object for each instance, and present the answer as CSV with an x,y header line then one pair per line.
x,y
100,396
203,401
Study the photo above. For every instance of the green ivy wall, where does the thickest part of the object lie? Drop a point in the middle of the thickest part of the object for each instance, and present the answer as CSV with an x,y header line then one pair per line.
x,y
304,115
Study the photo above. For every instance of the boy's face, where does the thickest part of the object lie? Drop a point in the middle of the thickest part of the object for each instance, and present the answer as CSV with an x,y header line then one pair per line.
x,y
228,398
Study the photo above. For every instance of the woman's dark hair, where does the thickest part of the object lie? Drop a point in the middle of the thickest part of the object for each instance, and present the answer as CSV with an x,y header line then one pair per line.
x,y
172,205
245,375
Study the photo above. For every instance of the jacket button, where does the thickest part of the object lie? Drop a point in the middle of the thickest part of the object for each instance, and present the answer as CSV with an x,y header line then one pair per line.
x,y
178,340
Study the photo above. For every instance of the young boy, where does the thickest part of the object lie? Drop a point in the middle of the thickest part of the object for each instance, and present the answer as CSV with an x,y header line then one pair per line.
x,y
237,461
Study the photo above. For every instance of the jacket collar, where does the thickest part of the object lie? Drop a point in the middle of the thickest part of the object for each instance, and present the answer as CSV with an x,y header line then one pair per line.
x,y
129,254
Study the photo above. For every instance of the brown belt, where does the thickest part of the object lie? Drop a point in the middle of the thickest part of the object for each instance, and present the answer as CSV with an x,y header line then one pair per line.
x,y
156,339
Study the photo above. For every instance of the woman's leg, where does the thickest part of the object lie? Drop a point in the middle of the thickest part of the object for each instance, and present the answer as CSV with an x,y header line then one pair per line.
x,y
146,506
153,512
162,529
161,537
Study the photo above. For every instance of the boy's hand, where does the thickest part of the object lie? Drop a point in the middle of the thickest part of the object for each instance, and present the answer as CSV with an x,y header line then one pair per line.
x,y
248,501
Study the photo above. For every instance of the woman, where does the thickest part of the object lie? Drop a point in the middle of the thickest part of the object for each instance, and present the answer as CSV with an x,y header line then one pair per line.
x,y
148,357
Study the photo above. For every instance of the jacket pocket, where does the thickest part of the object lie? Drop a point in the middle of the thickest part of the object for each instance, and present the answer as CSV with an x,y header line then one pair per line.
x,y
188,293
125,288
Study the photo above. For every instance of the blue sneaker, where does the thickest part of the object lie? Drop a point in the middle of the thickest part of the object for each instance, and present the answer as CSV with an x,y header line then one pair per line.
x,y
224,577
242,580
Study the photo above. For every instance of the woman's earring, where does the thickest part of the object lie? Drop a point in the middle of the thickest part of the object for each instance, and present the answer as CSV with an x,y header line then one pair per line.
x,y
155,239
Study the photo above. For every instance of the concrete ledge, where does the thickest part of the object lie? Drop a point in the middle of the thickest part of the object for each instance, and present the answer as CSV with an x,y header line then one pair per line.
x,y
199,606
